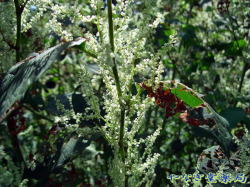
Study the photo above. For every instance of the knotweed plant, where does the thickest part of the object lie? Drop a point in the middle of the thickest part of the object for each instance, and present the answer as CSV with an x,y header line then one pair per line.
x,y
120,48
118,76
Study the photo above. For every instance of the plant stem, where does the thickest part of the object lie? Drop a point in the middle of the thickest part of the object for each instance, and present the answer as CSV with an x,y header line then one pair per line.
x,y
14,137
118,87
90,53
37,113
245,68
9,43
11,125
19,10
175,69
246,65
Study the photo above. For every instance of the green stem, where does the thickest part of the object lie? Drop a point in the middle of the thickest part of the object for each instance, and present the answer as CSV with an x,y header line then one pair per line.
x,y
90,53
111,27
37,113
118,87
175,69
245,68
19,10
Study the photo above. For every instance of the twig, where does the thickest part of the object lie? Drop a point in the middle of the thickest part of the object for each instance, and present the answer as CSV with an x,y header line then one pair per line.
x,y
24,4
37,114
9,43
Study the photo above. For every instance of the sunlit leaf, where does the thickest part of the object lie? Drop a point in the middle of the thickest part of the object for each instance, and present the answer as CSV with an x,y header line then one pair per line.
x,y
69,149
23,74
187,95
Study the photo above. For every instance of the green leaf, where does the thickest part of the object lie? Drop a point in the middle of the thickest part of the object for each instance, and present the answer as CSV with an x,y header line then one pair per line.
x,y
233,115
79,103
193,99
168,32
72,147
36,101
189,37
62,99
235,48
81,46
187,95
221,131
240,43
23,74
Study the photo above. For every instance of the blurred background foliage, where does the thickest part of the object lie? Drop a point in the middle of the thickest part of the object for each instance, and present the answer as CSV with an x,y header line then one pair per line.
x,y
210,54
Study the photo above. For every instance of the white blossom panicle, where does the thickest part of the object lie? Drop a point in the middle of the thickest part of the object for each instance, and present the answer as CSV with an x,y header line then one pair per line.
x,y
132,56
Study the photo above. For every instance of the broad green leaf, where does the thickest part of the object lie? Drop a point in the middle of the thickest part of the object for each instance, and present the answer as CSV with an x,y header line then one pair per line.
x,y
235,48
168,32
23,74
187,95
240,43
72,147
79,103
233,116
220,130
54,100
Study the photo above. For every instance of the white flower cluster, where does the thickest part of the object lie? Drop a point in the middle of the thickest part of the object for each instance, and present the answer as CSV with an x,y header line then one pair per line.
x,y
33,12
7,34
132,57
62,18
244,152
10,173
87,89
146,170
117,170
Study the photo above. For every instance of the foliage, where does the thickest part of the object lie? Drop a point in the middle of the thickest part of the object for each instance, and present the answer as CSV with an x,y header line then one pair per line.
x,y
121,105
